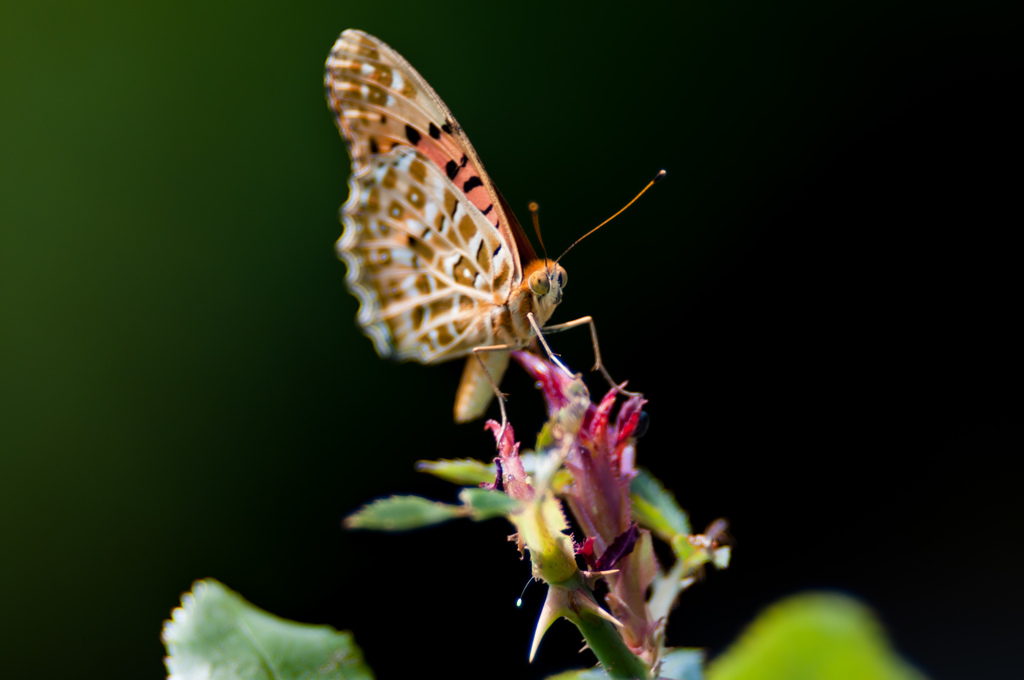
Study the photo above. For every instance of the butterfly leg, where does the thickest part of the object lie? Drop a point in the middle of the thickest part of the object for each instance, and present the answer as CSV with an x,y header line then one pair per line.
x,y
540,336
478,353
598,365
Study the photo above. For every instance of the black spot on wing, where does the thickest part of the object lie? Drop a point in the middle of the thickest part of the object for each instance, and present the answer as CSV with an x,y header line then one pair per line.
x,y
495,254
472,183
447,127
451,169
489,209
412,135
373,146
434,131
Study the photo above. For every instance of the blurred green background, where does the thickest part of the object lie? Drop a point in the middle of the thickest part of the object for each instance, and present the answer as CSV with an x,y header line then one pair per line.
x,y
817,302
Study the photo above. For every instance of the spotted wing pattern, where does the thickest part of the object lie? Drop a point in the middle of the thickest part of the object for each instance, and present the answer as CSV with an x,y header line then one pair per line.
x,y
381,103
424,262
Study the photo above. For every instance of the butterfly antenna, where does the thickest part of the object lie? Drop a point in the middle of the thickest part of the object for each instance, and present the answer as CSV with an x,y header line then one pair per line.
x,y
661,173
534,209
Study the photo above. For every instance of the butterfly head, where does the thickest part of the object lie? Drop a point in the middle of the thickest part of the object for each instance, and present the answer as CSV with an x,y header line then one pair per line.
x,y
545,279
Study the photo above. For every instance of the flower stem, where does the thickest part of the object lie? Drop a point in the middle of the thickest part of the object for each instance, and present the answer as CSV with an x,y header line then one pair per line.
x,y
580,607
615,657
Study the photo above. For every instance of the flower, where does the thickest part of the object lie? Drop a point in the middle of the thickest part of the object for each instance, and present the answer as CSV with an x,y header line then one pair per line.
x,y
601,460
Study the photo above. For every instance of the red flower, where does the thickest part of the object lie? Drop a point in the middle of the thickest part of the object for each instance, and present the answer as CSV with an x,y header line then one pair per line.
x,y
602,464
602,459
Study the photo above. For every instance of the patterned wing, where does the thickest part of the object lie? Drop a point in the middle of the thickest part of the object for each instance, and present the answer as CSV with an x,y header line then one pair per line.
x,y
425,263
381,103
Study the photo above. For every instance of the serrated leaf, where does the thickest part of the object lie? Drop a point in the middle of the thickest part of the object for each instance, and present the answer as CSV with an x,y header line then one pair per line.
x,y
217,635
400,513
655,508
682,664
485,504
814,635
463,471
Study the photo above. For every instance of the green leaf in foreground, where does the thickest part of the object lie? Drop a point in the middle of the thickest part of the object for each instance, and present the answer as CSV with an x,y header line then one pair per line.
x,y
655,508
399,513
216,635
815,635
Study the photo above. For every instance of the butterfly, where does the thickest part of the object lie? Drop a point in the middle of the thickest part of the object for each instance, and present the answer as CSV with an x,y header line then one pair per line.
x,y
440,265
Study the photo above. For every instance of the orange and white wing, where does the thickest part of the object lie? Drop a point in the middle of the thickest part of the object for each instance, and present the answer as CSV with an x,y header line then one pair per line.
x,y
424,262
381,103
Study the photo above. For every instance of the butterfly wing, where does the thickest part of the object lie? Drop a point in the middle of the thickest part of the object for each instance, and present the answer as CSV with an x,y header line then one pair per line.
x,y
425,264
380,102
430,243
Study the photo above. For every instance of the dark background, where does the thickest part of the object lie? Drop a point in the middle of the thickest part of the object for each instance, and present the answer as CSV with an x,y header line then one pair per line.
x,y
818,303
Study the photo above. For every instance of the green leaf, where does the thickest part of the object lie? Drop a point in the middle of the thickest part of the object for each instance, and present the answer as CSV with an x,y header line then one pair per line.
x,y
683,664
655,508
814,635
464,471
216,635
485,504
400,513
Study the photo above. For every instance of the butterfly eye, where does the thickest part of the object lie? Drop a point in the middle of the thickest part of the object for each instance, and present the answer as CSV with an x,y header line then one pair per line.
x,y
561,277
539,283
